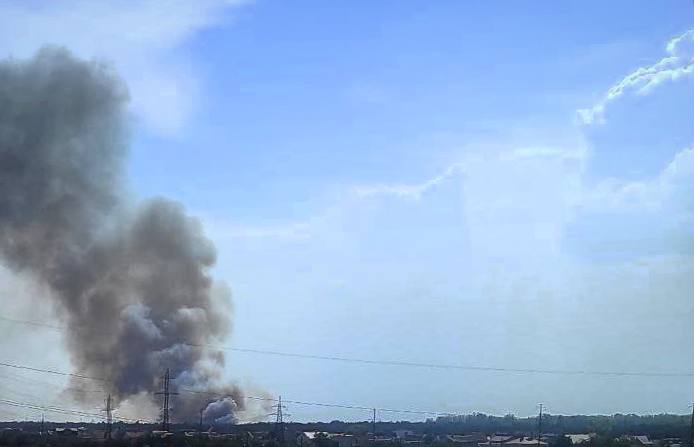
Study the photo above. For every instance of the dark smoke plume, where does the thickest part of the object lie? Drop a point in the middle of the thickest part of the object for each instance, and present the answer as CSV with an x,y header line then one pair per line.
x,y
132,281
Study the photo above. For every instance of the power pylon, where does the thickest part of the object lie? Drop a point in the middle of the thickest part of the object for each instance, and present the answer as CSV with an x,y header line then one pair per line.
x,y
279,422
539,427
109,417
166,392
373,428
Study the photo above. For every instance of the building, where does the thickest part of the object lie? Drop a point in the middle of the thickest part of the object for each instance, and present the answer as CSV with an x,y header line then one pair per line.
x,y
66,431
402,434
471,440
308,439
524,442
580,438
495,441
641,441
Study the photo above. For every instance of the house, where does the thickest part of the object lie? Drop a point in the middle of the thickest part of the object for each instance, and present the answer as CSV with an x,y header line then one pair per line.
x,y
411,440
471,440
524,442
402,434
407,437
641,441
308,438
495,441
580,438
163,434
66,431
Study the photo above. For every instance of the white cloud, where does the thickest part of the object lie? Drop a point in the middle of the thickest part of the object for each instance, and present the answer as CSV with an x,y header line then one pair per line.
x,y
514,200
678,64
518,203
410,191
671,189
516,206
485,238
139,37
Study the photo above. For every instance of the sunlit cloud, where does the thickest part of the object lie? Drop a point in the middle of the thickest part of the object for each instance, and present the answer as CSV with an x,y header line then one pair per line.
x,y
677,64
139,38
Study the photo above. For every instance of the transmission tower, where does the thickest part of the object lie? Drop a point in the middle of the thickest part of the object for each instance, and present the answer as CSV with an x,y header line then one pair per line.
x,y
109,417
166,392
539,427
373,428
279,423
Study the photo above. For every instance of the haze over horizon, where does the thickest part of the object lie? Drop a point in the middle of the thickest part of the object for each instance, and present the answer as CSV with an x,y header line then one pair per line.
x,y
446,183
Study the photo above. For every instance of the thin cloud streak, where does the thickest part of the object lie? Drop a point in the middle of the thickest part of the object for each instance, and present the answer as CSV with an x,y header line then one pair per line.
x,y
409,191
679,63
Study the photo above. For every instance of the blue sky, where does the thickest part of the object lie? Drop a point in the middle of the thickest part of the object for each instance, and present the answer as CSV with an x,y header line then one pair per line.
x,y
481,183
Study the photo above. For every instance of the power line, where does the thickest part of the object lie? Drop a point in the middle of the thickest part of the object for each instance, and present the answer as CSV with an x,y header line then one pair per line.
x,y
54,409
412,364
322,404
50,371
33,381
259,398
449,366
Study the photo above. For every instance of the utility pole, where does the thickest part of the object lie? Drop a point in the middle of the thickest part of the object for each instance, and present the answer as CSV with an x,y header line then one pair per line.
x,y
166,392
691,429
539,427
109,417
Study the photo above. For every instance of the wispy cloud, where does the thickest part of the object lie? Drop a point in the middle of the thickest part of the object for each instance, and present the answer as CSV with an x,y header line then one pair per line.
x,y
410,191
415,191
140,37
677,64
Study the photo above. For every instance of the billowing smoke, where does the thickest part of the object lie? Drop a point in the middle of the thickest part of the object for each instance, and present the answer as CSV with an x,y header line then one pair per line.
x,y
131,280
221,410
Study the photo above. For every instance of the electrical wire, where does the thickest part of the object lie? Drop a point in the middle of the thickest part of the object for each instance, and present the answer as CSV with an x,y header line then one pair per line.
x,y
60,410
218,396
411,364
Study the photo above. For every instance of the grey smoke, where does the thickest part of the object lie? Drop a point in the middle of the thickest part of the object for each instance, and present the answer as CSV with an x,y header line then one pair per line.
x,y
220,411
131,281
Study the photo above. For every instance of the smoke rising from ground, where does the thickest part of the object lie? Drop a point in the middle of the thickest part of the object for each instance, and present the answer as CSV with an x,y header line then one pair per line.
x,y
132,281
